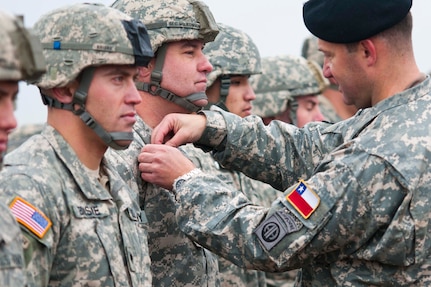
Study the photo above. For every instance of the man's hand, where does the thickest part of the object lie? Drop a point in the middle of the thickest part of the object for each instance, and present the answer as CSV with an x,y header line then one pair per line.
x,y
162,164
178,129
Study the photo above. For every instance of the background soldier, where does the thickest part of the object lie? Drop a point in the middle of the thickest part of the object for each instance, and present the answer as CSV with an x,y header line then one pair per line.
x,y
289,90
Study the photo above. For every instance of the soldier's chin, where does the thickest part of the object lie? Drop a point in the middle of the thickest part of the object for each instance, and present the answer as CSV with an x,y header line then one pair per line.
x,y
201,103
124,143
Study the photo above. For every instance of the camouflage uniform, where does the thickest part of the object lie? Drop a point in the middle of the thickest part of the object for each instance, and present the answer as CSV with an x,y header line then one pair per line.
x,y
79,228
175,259
370,183
97,237
21,58
230,274
283,79
21,134
234,53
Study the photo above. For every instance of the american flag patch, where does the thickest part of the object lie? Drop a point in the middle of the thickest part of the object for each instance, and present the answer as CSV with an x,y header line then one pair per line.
x,y
29,216
303,199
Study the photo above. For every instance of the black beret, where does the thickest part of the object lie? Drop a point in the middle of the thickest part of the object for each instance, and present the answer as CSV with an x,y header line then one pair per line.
x,y
348,21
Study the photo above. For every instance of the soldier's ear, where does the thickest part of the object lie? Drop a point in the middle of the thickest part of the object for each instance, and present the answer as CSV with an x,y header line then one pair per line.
x,y
145,72
369,51
64,94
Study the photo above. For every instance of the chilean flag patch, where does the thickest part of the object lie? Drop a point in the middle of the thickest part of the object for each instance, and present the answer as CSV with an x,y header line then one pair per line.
x,y
303,199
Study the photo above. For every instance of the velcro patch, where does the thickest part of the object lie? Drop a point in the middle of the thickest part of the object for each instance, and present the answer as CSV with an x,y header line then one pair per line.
x,y
276,227
303,199
29,216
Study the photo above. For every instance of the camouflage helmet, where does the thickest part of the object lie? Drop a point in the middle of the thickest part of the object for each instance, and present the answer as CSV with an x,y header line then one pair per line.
x,y
310,50
233,52
78,38
172,20
21,55
283,79
81,35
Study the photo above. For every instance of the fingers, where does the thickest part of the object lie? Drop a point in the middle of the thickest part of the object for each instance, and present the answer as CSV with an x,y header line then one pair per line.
x,y
162,164
178,129
166,130
162,132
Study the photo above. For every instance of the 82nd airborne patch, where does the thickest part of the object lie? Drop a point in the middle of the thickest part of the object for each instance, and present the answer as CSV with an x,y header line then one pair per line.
x,y
276,227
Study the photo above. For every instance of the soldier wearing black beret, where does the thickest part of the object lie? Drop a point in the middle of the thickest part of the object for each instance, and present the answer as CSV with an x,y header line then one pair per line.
x,y
356,207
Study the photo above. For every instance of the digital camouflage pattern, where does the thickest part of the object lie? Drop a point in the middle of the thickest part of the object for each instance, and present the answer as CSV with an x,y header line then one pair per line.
x,y
69,48
175,259
21,134
284,78
20,59
12,267
256,191
97,237
233,52
371,173
171,20
259,193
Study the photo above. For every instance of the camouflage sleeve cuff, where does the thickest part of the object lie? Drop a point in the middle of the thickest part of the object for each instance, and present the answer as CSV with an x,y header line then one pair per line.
x,y
214,135
179,182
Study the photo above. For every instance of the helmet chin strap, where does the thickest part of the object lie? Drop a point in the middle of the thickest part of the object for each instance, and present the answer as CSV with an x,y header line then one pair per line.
x,y
79,99
154,88
224,91
293,107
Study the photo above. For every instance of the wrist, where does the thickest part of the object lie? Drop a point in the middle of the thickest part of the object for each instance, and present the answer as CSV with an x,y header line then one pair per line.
x,y
179,181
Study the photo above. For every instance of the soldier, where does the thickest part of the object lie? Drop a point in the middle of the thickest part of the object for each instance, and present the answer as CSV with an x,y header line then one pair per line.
x,y
175,81
288,90
361,216
234,57
21,58
80,222
332,105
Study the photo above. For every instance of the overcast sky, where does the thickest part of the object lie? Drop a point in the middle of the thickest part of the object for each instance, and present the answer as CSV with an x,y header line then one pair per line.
x,y
276,26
